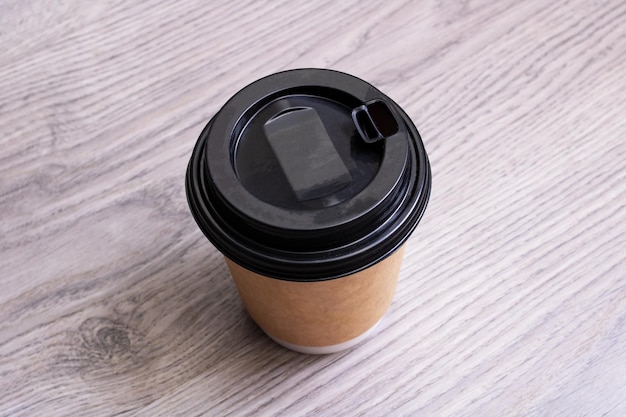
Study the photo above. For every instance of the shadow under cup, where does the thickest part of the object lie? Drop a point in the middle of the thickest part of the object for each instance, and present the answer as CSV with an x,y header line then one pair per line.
x,y
310,182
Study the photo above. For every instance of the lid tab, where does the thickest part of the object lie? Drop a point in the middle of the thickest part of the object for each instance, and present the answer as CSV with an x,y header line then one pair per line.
x,y
306,153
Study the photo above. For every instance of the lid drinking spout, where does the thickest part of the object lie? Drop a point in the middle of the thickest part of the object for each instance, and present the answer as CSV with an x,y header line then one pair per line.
x,y
375,120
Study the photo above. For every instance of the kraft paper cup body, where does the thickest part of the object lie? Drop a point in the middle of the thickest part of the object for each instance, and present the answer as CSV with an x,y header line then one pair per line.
x,y
323,316
310,182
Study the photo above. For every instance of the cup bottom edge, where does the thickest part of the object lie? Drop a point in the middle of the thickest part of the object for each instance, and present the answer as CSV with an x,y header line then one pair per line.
x,y
324,350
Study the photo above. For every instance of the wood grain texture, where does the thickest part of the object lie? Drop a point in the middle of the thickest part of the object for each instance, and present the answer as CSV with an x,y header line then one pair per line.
x,y
512,296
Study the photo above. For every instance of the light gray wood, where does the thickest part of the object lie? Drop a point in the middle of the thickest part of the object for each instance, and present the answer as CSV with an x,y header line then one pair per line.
x,y
512,296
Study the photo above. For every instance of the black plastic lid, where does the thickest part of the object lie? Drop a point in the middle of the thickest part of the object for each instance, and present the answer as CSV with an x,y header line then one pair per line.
x,y
308,175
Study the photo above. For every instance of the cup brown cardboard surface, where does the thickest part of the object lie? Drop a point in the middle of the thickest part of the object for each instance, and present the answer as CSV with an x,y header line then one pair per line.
x,y
319,313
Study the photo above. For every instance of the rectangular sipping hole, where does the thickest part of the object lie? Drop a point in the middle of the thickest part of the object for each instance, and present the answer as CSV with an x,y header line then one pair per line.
x,y
383,119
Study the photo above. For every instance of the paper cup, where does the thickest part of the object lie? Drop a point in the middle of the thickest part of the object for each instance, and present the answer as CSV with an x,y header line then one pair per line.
x,y
310,182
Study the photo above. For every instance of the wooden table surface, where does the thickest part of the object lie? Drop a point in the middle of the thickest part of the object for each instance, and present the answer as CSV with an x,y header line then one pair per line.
x,y
512,295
